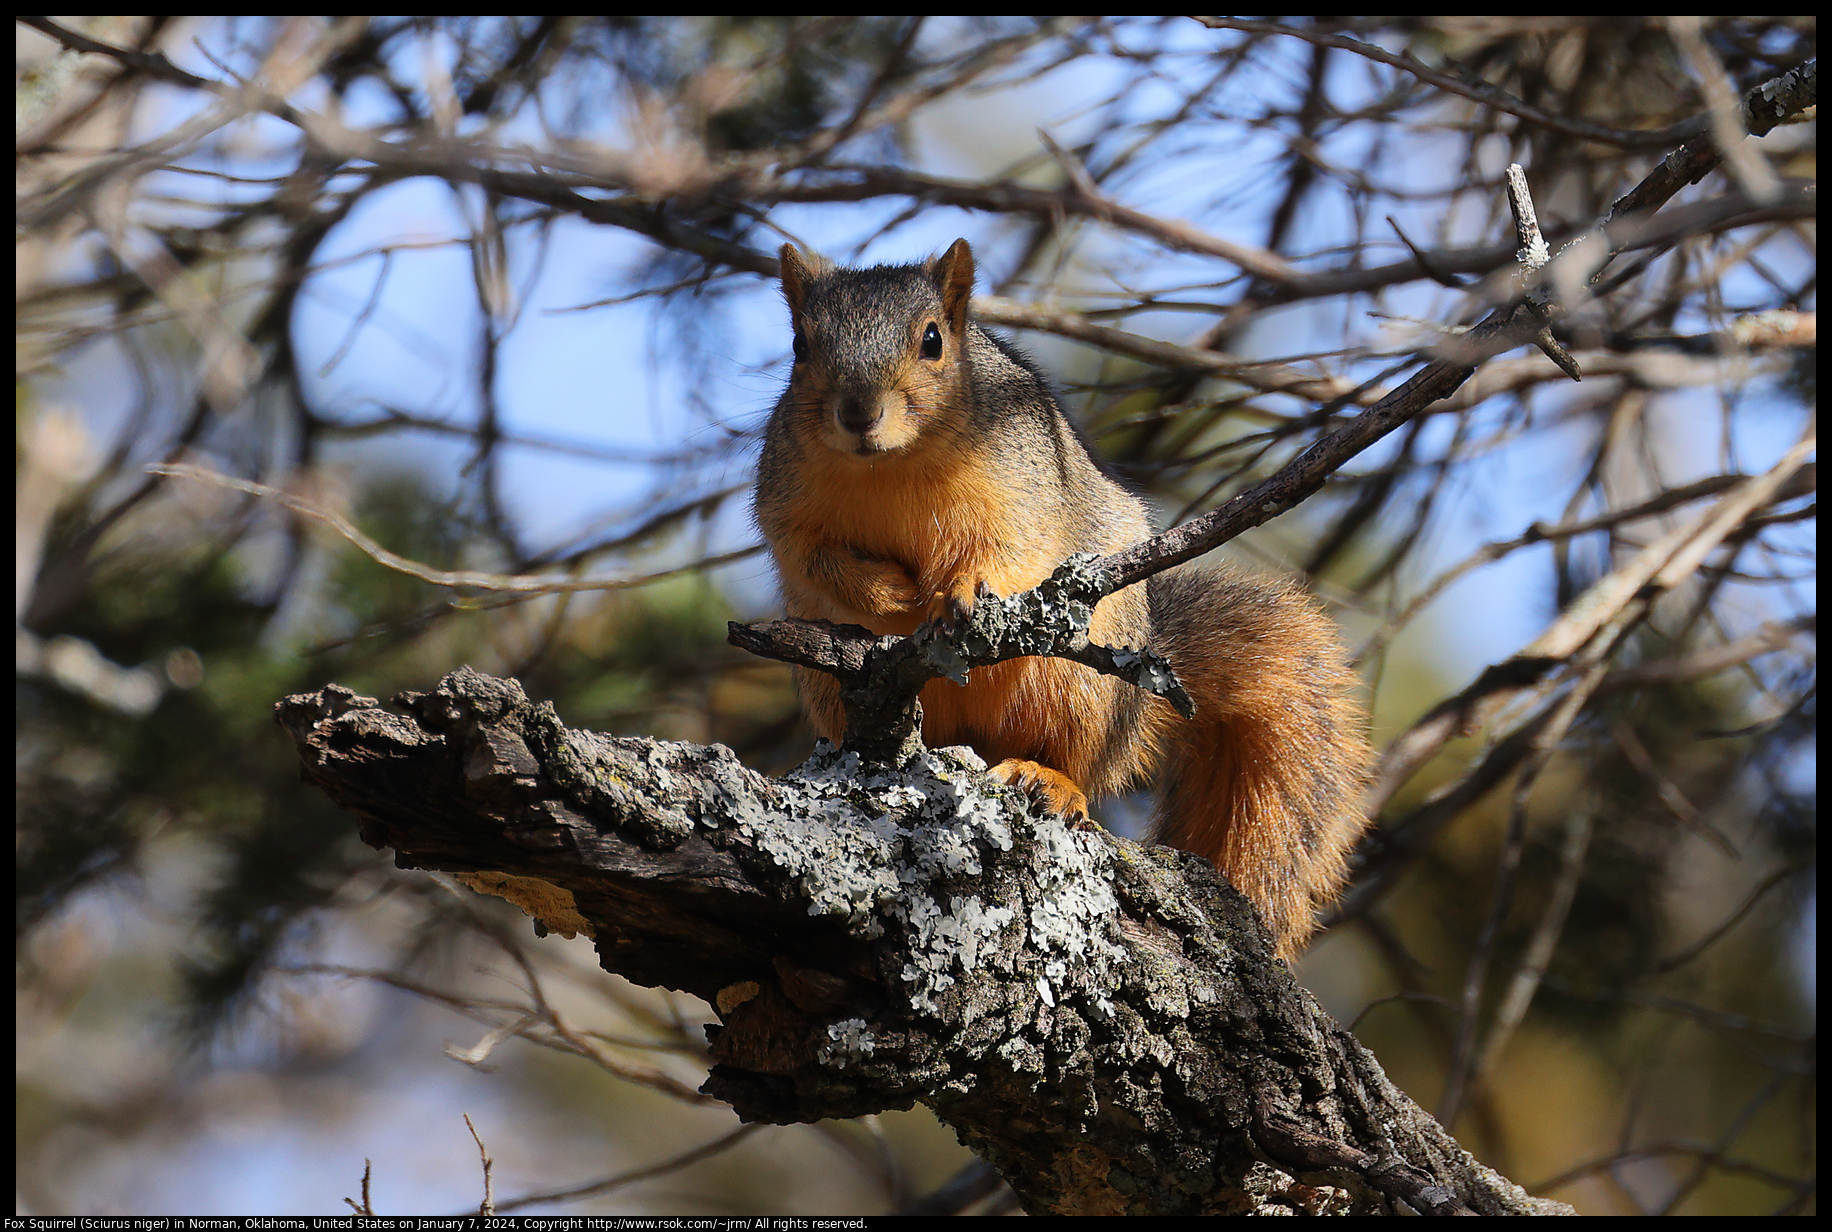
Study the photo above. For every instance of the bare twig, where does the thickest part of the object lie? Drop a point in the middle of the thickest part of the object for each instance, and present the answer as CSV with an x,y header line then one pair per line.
x,y
1479,91
365,1207
488,1205
466,579
624,1180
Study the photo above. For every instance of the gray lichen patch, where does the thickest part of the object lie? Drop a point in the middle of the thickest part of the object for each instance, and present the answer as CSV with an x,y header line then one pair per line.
x,y
1066,599
937,852
848,1041
1073,919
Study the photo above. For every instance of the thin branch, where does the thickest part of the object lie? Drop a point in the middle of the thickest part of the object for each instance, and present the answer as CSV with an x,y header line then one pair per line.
x,y
366,1208
562,1038
1592,662
1665,1150
1533,256
624,1180
488,1205
153,64
1772,636
457,578
1537,956
1478,91
1779,877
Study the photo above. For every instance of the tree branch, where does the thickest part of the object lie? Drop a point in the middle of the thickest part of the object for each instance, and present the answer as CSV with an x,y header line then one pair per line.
x,y
1104,1023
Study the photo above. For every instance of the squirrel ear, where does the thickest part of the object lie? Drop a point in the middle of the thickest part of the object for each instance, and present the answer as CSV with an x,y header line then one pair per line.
x,y
796,275
953,274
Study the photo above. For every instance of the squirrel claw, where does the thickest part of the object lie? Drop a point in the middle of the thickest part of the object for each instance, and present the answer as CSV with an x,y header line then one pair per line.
x,y
949,609
1052,788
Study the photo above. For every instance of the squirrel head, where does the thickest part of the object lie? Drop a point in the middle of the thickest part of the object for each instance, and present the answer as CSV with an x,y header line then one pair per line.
x,y
880,353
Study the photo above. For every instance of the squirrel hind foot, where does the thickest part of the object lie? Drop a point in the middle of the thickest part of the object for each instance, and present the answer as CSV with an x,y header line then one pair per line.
x,y
1052,788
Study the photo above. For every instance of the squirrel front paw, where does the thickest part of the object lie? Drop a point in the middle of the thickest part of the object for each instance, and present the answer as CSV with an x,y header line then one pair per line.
x,y
884,588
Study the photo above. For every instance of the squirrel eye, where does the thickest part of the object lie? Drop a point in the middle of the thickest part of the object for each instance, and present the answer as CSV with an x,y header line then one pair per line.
x,y
931,342
801,346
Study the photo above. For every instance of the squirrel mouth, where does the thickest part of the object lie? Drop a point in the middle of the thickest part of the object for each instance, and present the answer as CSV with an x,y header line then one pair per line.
x,y
867,444
887,435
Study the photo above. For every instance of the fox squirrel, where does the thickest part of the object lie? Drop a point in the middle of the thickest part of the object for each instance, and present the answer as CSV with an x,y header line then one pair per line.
x,y
915,457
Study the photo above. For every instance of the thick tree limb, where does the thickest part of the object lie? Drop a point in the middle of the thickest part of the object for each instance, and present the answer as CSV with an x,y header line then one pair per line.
x,y
1104,1023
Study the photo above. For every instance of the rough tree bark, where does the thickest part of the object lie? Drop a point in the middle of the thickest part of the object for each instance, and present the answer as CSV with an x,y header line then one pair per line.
x,y
1104,1023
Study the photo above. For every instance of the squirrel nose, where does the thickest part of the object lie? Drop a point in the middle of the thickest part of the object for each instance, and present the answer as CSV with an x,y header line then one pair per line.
x,y
858,415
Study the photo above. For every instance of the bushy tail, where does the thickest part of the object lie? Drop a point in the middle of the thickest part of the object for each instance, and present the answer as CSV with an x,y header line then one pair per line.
x,y
1265,781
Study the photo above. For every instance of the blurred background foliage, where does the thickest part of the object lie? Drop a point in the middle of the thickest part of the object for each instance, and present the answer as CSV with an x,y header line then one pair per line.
x,y
497,291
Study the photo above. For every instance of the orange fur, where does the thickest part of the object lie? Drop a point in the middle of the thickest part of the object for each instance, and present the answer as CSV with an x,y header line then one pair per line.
x,y
1265,781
